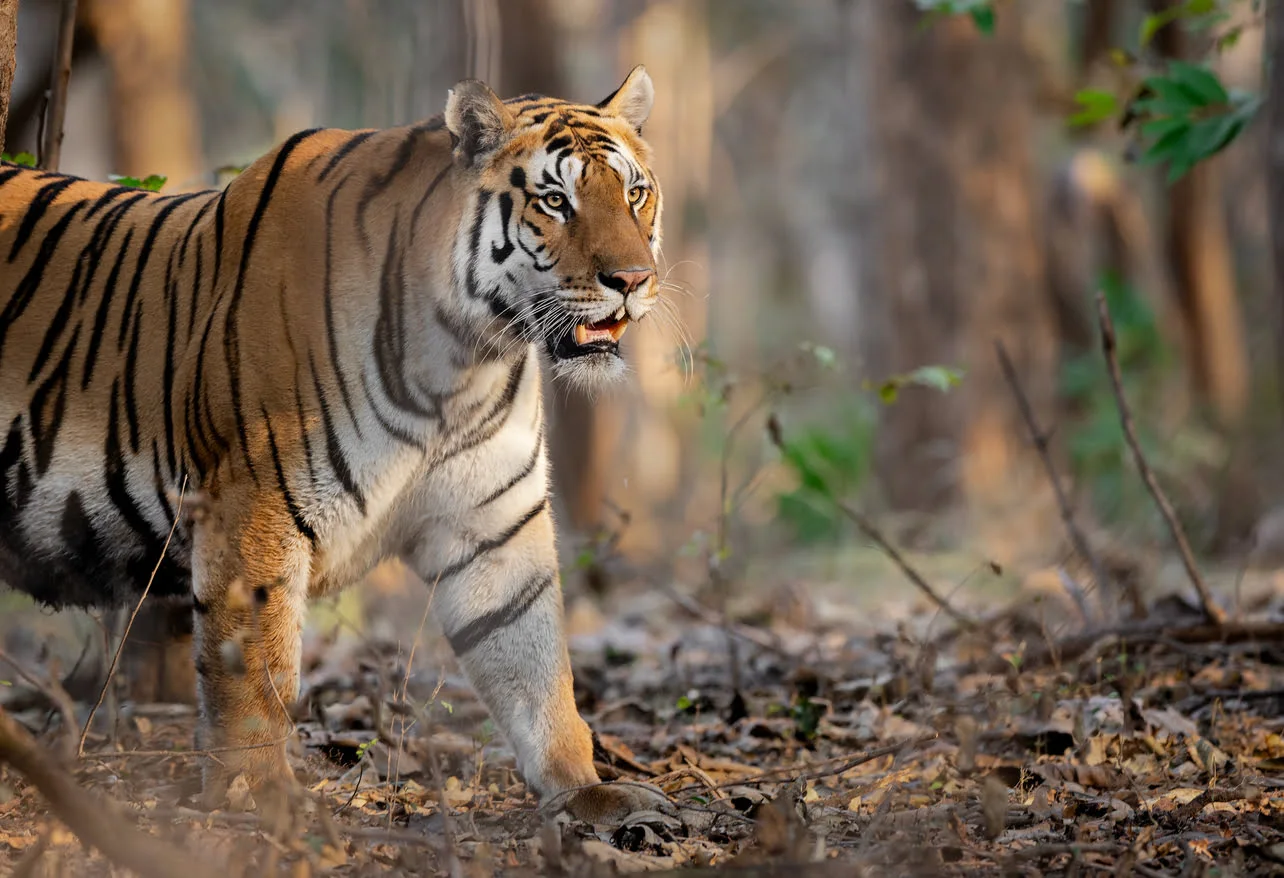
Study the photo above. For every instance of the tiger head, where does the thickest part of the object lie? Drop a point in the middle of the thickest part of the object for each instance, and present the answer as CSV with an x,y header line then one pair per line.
x,y
561,245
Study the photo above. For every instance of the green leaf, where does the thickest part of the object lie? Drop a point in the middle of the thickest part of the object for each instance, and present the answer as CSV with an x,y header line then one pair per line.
x,y
943,378
26,159
983,18
152,183
1199,80
1097,105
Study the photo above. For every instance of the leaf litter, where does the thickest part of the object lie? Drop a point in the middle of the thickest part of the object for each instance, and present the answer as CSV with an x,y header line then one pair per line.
x,y
854,747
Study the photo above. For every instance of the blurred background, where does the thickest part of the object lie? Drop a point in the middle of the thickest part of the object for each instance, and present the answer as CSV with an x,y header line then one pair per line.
x,y
859,204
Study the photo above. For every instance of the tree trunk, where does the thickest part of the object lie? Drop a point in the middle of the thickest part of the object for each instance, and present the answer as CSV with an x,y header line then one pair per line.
x,y
8,59
155,120
156,130
960,266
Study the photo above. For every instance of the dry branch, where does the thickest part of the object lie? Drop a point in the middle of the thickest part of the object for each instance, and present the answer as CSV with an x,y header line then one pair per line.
x,y
1213,612
8,58
1040,439
60,79
867,527
95,821
115,659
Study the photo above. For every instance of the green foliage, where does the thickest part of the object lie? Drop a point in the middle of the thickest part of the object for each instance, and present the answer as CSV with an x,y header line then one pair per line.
x,y
827,463
152,183
1181,112
980,11
942,378
1100,464
1096,106
1186,116
26,159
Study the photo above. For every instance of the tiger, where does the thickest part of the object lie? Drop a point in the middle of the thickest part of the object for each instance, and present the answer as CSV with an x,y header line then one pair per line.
x,y
340,354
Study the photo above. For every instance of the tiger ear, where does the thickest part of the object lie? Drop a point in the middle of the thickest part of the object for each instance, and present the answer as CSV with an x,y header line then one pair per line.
x,y
477,119
633,99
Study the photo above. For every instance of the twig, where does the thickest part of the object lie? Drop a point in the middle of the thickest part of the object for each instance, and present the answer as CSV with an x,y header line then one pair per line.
x,y
1040,440
51,147
51,688
865,526
844,766
94,821
1213,612
115,659
760,639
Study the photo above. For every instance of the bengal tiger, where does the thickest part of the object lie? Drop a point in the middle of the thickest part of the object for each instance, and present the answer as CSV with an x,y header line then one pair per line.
x,y
341,351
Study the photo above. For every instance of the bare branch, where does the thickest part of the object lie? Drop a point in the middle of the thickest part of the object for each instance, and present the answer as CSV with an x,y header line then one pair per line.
x,y
60,79
1213,612
115,659
95,821
1040,440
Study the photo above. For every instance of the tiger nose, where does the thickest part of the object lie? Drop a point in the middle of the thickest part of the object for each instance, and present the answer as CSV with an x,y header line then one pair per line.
x,y
626,281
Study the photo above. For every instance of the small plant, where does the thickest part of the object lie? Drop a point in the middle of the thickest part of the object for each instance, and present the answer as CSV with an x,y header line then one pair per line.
x,y
152,182
26,159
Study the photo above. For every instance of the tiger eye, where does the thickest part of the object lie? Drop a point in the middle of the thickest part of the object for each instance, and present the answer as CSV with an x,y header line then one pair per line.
x,y
636,194
555,200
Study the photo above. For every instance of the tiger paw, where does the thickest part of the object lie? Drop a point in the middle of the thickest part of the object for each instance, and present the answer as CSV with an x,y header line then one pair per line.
x,y
612,803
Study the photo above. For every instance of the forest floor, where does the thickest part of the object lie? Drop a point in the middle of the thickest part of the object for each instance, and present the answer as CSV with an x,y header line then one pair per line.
x,y
801,733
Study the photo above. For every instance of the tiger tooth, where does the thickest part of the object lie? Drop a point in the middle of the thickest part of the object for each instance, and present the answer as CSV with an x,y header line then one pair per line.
x,y
617,331
581,334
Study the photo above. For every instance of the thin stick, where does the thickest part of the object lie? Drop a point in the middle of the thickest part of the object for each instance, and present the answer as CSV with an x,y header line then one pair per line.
x,y
95,821
1040,440
865,526
51,147
51,688
115,659
1212,612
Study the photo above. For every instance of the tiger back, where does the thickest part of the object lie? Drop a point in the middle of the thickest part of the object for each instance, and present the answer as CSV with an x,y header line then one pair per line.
x,y
340,355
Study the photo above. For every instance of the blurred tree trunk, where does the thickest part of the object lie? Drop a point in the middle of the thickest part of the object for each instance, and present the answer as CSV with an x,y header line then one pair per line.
x,y
155,126
156,123
1199,249
532,62
1275,173
8,59
650,455
960,265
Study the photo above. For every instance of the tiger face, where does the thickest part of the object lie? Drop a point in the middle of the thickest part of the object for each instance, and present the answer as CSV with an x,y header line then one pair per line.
x,y
562,242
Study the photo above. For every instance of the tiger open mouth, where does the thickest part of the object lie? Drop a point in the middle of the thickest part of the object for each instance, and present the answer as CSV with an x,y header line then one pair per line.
x,y
601,337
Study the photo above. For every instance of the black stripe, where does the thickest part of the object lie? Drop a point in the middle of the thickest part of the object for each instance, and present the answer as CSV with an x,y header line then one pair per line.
x,y
342,152
104,307
302,526
117,483
391,429
334,448
30,283
144,256
468,637
390,333
36,208
48,404
474,241
158,479
131,380
491,544
231,324
516,478
501,254
167,373
494,420
328,299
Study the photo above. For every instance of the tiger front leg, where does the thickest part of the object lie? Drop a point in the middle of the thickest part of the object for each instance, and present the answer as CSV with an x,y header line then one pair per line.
x,y
250,586
503,616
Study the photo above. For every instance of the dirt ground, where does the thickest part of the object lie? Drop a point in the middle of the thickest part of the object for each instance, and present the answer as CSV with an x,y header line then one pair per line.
x,y
805,732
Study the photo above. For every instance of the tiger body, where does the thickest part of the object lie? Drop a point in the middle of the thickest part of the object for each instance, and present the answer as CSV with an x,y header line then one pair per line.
x,y
340,354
